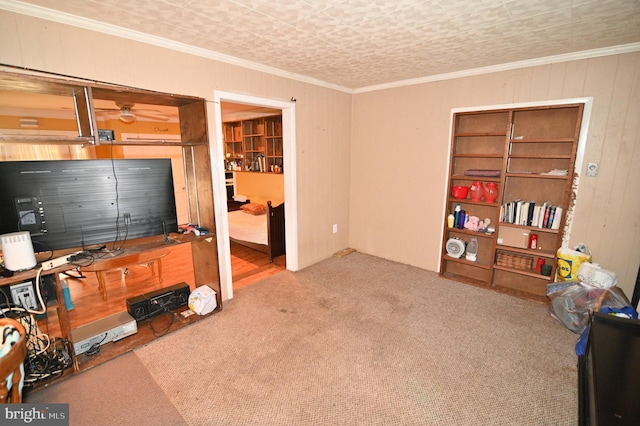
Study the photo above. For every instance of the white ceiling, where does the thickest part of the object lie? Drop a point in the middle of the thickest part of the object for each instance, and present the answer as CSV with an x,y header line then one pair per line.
x,y
360,44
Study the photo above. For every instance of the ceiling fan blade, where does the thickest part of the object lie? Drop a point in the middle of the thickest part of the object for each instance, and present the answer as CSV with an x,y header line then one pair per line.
x,y
153,115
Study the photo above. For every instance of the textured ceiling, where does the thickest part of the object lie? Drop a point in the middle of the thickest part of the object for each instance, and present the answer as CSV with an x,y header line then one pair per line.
x,y
362,43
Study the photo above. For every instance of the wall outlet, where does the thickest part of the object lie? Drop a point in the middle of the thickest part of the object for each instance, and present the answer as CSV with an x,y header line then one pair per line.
x,y
592,169
335,228
24,295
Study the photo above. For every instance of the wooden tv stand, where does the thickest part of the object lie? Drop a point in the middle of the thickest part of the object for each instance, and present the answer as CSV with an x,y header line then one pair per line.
x,y
202,270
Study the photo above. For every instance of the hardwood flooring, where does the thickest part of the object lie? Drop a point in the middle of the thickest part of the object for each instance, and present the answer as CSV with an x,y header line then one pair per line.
x,y
248,266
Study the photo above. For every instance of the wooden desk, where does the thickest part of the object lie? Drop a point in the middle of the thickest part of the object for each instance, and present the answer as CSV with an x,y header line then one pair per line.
x,y
123,259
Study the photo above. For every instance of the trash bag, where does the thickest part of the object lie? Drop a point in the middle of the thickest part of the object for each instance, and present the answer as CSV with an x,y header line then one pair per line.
x,y
573,305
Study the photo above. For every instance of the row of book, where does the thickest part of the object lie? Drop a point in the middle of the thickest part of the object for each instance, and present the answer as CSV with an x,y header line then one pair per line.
x,y
529,213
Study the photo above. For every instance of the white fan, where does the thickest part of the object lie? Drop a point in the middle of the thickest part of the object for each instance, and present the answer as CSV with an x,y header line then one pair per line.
x,y
455,247
127,113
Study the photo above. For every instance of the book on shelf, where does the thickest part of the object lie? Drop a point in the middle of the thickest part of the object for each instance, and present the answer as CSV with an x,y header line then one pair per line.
x,y
557,218
531,213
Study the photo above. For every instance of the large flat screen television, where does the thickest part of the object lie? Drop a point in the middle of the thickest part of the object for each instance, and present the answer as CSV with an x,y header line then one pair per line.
x,y
81,203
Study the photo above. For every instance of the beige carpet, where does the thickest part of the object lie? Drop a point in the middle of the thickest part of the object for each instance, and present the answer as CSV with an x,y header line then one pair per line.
x,y
119,392
357,340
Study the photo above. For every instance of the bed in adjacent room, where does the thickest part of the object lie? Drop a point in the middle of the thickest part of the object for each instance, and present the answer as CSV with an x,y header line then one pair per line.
x,y
259,227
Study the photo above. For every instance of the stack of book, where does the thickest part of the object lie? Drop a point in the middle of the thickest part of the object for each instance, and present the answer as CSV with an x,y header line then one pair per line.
x,y
530,213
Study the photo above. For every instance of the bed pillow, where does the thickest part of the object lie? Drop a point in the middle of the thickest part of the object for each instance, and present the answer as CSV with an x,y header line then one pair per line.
x,y
254,208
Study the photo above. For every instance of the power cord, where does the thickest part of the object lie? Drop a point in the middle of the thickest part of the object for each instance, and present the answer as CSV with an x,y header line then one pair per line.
x,y
166,312
48,364
95,348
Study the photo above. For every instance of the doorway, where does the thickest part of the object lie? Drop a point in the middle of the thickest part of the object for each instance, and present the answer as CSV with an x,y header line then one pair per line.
x,y
219,187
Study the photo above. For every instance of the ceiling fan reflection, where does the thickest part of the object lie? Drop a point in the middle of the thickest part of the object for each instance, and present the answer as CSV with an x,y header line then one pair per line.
x,y
128,114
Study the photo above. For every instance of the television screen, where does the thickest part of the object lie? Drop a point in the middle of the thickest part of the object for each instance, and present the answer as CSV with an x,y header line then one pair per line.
x,y
82,203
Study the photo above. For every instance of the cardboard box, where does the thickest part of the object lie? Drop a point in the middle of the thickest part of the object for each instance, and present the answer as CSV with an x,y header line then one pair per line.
x,y
513,237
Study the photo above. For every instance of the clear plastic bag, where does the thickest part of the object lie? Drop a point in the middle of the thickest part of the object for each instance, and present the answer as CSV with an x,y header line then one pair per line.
x,y
573,304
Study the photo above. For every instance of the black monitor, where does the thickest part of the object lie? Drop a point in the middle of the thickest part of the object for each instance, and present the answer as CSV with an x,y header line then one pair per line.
x,y
81,203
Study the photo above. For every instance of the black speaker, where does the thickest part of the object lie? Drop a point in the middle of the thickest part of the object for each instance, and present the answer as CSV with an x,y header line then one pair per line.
x,y
138,307
158,301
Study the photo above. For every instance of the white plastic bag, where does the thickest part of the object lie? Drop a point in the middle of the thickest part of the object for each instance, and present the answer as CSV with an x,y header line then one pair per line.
x,y
594,275
202,300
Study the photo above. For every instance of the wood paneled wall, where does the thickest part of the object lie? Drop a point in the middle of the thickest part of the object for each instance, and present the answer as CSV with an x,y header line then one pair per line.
x,y
323,116
399,159
375,163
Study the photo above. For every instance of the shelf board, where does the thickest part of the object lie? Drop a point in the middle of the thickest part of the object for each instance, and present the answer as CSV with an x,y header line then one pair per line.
x,y
466,262
559,140
470,201
527,252
531,228
143,336
31,139
526,272
152,142
532,295
541,157
477,134
478,156
464,279
536,175
476,178
469,232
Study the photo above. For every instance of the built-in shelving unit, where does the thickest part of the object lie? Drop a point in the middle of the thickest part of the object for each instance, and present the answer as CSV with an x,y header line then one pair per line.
x,y
197,167
254,145
529,154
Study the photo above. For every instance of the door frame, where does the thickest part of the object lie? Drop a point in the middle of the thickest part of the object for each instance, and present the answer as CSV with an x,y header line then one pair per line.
x,y
219,190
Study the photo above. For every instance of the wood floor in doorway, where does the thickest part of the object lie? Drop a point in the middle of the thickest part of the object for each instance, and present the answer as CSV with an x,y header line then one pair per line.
x,y
249,266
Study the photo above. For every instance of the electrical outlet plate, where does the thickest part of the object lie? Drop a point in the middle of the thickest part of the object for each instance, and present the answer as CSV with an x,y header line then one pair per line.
x,y
24,295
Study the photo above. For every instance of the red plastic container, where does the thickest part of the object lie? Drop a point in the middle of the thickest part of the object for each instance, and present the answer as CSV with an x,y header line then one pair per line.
x,y
477,191
460,192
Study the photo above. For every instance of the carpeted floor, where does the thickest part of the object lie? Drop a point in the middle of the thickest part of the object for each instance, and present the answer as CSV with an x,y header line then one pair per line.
x,y
353,340
119,392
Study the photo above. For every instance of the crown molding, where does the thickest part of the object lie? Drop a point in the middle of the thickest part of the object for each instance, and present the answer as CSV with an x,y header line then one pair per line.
x,y
573,56
114,30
